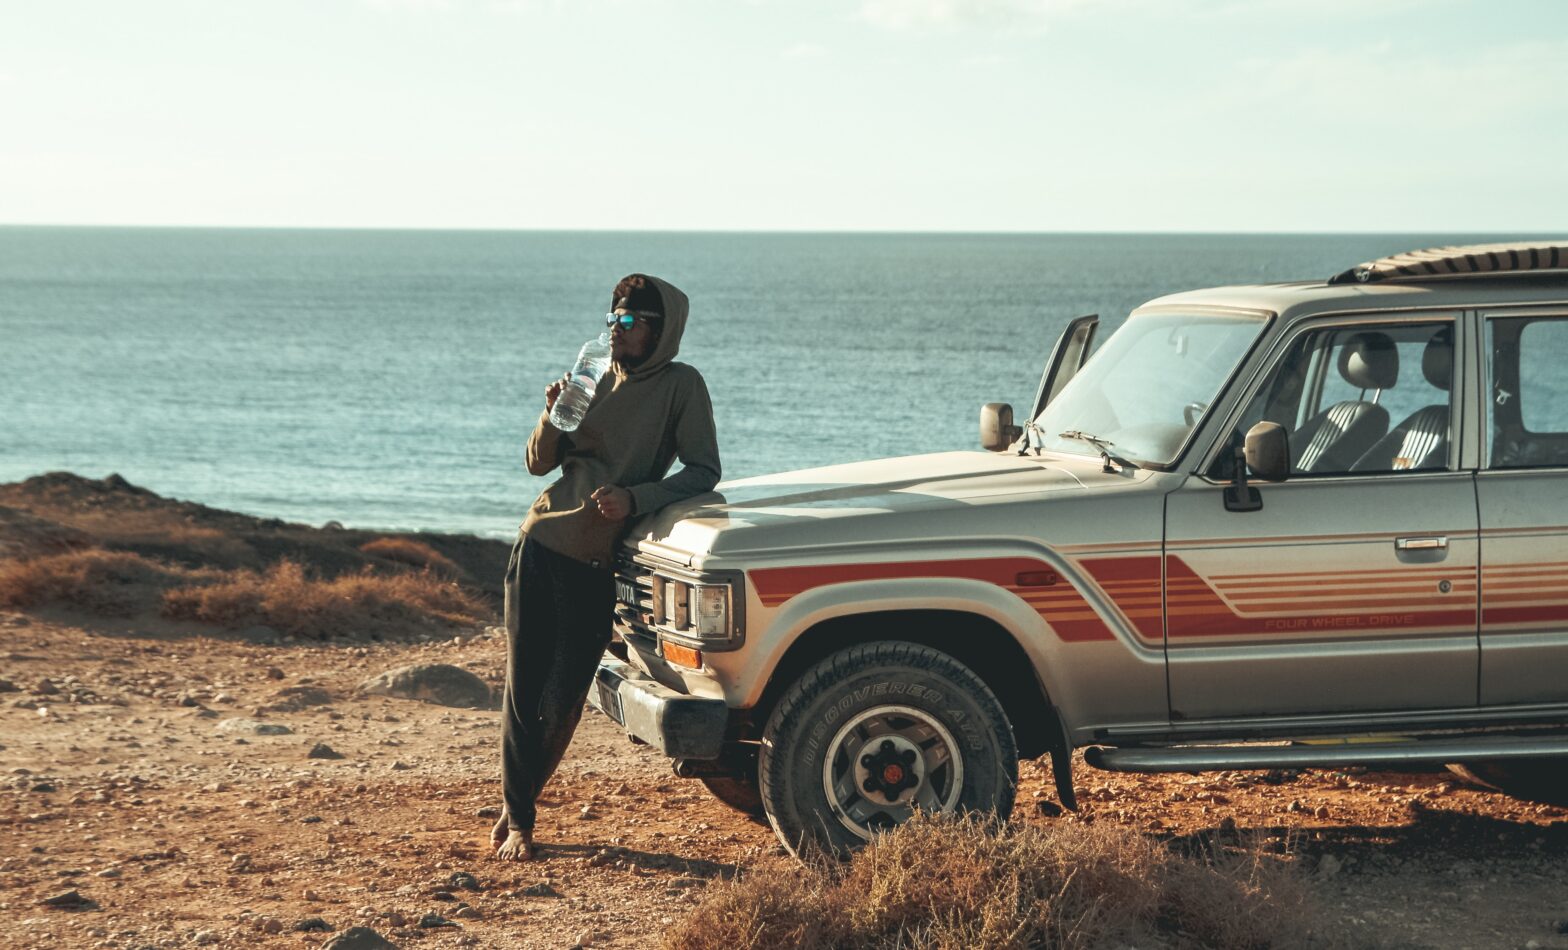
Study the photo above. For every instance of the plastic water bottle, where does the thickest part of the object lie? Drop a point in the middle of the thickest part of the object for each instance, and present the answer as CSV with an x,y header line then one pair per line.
x,y
572,404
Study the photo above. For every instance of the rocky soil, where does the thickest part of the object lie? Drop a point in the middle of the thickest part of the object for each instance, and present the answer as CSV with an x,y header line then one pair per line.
x,y
173,790
165,784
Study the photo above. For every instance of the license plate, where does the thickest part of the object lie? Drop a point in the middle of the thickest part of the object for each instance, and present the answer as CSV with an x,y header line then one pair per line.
x,y
610,701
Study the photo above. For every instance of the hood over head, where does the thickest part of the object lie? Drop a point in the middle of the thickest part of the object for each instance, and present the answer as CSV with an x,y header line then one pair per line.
x,y
674,307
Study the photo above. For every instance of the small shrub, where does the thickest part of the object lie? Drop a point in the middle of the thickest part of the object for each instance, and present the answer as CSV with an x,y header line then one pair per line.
x,y
107,582
413,553
116,583
286,598
951,883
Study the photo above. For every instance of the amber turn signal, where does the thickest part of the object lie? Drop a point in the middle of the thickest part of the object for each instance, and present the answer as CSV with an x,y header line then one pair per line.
x,y
682,656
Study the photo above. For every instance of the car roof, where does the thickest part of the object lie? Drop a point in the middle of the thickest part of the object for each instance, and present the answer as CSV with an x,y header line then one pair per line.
x,y
1469,277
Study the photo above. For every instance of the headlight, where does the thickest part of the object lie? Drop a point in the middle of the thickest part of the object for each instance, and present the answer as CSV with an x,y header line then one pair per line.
x,y
702,610
711,610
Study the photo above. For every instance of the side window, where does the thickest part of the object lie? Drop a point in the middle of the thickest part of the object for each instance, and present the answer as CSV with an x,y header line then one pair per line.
x,y
1526,357
1362,399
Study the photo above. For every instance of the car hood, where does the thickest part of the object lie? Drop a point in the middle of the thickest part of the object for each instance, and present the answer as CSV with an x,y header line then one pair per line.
x,y
835,504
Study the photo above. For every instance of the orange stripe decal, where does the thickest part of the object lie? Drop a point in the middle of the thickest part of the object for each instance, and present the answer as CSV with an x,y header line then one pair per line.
x,y
1061,604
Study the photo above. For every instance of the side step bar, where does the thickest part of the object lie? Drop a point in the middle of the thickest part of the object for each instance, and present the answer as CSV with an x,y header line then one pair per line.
x,y
1196,758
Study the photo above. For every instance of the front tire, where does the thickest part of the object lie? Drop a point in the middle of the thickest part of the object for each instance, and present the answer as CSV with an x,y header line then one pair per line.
x,y
875,731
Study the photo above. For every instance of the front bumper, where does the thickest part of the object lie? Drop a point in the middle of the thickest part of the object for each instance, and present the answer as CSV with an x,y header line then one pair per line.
x,y
680,726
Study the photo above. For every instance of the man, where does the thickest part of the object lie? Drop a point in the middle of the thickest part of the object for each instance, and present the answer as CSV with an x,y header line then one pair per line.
x,y
560,591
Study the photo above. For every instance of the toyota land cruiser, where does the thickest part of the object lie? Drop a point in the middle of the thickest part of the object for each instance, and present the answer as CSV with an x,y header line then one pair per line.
x,y
1305,524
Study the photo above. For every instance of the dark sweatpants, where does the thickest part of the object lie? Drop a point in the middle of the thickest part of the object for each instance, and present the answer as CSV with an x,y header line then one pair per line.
x,y
558,614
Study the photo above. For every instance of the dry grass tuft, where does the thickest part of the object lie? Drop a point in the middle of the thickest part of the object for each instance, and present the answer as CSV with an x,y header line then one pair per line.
x,y
413,553
286,598
951,883
114,583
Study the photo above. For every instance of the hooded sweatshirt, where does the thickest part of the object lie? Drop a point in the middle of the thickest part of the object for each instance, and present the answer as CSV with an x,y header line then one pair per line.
x,y
641,419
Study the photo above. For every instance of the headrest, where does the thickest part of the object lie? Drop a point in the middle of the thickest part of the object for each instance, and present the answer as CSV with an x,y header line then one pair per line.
x,y
1370,361
1437,361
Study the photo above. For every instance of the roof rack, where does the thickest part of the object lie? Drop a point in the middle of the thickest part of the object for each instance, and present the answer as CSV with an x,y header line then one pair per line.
x,y
1475,260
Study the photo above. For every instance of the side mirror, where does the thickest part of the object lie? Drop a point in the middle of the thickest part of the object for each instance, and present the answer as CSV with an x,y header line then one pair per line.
x,y
1268,451
997,431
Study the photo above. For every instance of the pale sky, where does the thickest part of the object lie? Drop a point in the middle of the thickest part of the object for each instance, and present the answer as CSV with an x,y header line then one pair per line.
x,y
1005,115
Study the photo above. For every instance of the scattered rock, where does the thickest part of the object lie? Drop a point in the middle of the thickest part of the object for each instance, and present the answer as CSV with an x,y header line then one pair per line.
x,y
359,938
542,889
205,938
438,683
489,811
295,698
46,687
1328,866
323,751
273,673
1048,809
109,873
68,900
254,727
6,686
260,633
311,925
464,880
432,921
467,913
43,787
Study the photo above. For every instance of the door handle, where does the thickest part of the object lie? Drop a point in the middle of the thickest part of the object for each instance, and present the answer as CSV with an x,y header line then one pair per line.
x,y
1438,543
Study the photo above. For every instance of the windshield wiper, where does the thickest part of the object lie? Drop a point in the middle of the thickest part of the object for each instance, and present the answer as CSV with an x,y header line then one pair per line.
x,y
1103,446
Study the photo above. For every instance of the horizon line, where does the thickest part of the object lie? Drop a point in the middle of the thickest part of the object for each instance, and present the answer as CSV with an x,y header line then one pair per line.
x,y
756,231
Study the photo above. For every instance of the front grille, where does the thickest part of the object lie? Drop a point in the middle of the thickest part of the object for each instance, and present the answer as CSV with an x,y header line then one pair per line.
x,y
633,598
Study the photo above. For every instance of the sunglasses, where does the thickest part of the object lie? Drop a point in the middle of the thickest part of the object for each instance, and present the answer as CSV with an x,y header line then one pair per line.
x,y
628,320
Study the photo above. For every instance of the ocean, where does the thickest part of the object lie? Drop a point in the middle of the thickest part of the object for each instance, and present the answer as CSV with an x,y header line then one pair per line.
x,y
389,379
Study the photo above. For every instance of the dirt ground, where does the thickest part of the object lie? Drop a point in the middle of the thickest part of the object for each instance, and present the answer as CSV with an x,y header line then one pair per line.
x,y
122,778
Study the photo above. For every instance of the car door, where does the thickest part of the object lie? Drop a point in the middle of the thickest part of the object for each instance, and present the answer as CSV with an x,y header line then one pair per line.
x,y
1523,497
1353,588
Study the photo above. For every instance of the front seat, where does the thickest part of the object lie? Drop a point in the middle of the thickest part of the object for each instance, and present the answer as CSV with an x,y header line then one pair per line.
x,y
1421,441
1335,438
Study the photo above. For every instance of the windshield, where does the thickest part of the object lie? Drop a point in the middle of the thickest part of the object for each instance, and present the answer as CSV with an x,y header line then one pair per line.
x,y
1145,389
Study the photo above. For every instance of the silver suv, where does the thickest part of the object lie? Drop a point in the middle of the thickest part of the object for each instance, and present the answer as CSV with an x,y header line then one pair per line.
x,y
1307,524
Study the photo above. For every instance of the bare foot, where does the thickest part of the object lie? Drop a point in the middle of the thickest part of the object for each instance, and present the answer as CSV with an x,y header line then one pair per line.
x,y
498,833
519,846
